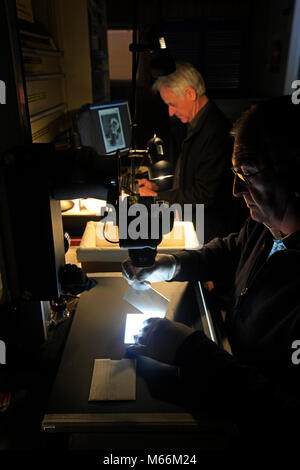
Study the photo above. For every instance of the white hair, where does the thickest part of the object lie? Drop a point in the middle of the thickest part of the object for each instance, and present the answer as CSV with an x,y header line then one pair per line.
x,y
184,76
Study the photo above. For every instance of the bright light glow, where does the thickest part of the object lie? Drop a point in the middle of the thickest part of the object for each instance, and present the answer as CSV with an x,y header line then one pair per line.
x,y
93,205
134,323
183,232
162,43
161,177
191,239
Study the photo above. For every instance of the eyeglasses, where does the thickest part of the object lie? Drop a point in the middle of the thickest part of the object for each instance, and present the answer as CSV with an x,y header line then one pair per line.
x,y
246,178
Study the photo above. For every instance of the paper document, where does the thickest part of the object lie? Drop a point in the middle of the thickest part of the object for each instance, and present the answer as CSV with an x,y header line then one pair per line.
x,y
113,380
148,301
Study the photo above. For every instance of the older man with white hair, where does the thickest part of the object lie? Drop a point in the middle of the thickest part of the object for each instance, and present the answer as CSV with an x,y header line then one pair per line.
x,y
202,158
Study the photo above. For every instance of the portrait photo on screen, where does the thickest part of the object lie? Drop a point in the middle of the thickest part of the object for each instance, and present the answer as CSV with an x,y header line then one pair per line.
x,y
111,129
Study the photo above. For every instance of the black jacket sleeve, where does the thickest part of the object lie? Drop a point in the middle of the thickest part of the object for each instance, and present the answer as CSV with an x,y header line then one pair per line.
x,y
213,164
205,162
217,259
247,396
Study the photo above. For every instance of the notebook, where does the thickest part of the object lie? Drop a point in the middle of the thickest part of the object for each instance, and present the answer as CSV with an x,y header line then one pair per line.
x,y
113,380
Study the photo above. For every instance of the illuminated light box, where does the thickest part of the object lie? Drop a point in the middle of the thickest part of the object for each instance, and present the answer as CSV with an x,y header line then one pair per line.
x,y
96,254
134,324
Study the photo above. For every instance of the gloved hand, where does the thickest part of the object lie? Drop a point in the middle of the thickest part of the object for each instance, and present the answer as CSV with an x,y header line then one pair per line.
x,y
163,269
160,340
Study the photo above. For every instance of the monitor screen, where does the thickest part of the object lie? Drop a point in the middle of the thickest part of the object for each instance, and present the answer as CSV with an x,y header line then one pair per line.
x,y
106,127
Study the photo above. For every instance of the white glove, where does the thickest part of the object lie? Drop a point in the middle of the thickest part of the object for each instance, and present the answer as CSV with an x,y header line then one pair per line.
x,y
164,269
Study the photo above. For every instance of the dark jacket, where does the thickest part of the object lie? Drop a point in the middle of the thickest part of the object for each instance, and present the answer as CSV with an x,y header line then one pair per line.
x,y
259,383
205,176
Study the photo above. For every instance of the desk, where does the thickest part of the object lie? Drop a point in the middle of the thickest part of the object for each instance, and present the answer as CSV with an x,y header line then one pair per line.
x,y
97,331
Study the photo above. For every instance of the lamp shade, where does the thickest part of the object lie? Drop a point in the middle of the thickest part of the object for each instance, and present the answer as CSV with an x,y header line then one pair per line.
x,y
161,173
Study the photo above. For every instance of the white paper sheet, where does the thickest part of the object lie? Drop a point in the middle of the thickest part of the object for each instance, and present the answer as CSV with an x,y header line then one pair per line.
x,y
113,380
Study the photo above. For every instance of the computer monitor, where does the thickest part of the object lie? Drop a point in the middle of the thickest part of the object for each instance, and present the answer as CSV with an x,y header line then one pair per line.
x,y
105,127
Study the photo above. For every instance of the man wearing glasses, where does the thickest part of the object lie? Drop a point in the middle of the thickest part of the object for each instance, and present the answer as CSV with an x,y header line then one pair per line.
x,y
258,384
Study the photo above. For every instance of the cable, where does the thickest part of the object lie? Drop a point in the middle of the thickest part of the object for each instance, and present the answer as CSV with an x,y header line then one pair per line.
x,y
107,239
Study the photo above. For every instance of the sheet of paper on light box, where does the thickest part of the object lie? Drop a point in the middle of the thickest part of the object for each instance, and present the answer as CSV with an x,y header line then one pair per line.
x,y
113,380
148,301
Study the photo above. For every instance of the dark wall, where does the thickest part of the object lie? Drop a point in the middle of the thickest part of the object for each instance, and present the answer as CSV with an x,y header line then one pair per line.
x,y
264,28
240,47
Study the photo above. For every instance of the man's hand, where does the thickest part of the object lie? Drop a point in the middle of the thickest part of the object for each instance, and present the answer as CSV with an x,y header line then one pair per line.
x,y
160,340
147,188
163,269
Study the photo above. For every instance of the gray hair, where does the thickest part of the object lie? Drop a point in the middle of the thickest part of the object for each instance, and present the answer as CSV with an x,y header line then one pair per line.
x,y
184,76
